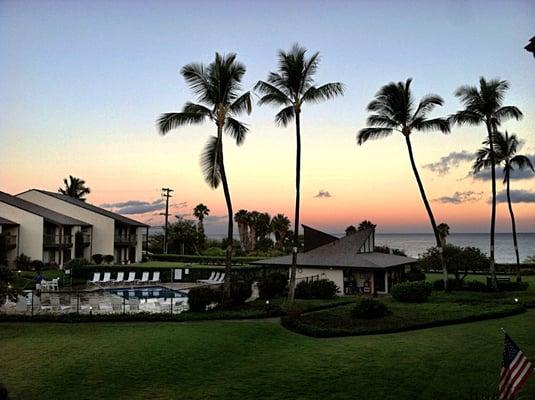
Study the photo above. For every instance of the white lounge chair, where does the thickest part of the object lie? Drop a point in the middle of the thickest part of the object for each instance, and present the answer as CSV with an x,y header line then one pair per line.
x,y
214,273
155,277
95,280
144,277
120,278
221,278
177,275
131,277
54,284
106,279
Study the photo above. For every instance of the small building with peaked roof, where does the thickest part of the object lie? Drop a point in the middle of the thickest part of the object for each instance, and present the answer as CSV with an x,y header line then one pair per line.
x,y
351,262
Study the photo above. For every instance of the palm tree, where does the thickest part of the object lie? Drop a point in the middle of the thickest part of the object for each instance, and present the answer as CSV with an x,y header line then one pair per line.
x,y
217,87
443,232
242,219
505,148
75,188
280,225
484,105
291,87
200,211
350,230
364,225
394,109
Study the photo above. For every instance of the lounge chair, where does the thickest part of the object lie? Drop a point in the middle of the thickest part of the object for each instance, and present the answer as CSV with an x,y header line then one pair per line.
x,y
144,277
214,273
177,275
131,277
221,278
120,278
155,277
106,279
95,280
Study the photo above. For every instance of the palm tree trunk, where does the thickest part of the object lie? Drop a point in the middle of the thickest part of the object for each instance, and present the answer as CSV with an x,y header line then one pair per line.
x,y
492,267
429,212
513,225
291,289
230,232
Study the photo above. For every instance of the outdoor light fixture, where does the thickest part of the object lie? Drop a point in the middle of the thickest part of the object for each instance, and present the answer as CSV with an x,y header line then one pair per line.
x,y
267,302
516,300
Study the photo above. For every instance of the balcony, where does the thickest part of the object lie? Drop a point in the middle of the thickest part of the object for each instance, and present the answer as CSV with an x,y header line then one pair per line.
x,y
125,240
57,240
11,241
83,238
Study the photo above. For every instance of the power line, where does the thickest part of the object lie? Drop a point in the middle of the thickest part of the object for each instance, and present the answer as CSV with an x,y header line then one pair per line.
x,y
166,192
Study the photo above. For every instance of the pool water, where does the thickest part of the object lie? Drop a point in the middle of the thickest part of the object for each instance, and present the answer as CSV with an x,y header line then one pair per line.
x,y
152,292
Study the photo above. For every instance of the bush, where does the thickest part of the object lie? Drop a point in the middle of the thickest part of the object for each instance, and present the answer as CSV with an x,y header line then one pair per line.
x,y
76,263
201,297
23,261
214,252
37,265
240,291
98,258
108,258
273,285
320,289
415,274
412,292
512,286
475,286
459,260
452,284
367,308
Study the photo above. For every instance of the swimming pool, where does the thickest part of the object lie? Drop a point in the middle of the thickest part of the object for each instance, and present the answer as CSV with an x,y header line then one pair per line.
x,y
150,292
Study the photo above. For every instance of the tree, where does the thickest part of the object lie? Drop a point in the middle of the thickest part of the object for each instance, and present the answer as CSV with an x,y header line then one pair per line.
x,y
217,87
242,219
505,154
484,105
7,291
365,225
200,211
184,237
350,230
75,188
280,225
291,87
443,232
393,109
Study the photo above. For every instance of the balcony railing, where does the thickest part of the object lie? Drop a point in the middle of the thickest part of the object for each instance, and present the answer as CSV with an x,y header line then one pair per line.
x,y
11,241
57,240
126,240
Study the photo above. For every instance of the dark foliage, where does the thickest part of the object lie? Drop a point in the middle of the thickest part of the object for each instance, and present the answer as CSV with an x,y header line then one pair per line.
x,y
201,297
415,274
320,289
76,263
240,291
108,258
459,260
412,292
98,258
367,308
387,250
272,286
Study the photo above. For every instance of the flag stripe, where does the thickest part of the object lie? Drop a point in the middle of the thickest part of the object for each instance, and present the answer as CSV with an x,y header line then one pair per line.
x,y
519,381
516,368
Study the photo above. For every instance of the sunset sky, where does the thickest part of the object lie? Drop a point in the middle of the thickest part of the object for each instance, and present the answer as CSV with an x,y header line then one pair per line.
x,y
82,84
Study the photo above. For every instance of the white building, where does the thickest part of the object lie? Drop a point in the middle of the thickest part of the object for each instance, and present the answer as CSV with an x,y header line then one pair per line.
x,y
40,233
112,233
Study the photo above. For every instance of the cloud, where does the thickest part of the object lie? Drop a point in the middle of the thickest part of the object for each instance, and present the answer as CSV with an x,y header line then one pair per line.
x,y
485,175
323,194
460,197
452,160
517,196
135,206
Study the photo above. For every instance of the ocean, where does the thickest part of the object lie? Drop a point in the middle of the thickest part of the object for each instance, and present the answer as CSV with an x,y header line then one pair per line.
x,y
415,244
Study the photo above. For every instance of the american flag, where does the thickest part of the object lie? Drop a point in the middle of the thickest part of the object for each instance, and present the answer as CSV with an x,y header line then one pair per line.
x,y
516,369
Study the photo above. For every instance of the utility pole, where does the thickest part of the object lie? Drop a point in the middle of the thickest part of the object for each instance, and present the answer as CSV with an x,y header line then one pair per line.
x,y
166,192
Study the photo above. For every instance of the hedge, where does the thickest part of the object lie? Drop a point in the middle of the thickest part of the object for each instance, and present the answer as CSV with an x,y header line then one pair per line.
x,y
210,260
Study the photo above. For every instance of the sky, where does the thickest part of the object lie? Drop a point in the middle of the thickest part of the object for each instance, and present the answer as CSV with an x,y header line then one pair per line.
x,y
82,84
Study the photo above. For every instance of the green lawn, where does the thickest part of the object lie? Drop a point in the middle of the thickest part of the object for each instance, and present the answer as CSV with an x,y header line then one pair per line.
x,y
253,360
175,264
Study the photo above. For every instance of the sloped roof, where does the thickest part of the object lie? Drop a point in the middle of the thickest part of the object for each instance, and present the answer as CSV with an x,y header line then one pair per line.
x,y
48,215
342,253
4,221
95,209
315,238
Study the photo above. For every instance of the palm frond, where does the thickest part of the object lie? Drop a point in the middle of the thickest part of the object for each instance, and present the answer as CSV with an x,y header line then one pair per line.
x,y
507,112
466,117
196,77
271,94
324,92
168,121
210,157
521,162
242,104
190,107
236,129
381,121
435,124
285,116
427,104
372,133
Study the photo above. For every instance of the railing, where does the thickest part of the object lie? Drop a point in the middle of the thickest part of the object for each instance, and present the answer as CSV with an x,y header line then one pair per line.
x,y
307,279
125,240
11,241
57,240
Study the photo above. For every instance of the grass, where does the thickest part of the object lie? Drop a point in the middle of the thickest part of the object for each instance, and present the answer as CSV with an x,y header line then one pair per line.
x,y
175,264
254,360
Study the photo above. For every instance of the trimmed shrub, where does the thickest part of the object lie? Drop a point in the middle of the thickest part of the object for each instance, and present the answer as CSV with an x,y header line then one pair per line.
x,y
37,265
273,285
76,263
214,252
367,308
452,284
240,291
415,274
475,286
412,292
201,297
108,258
320,289
512,286
98,258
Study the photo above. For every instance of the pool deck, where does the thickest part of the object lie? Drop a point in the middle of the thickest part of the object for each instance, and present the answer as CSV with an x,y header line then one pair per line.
x,y
168,285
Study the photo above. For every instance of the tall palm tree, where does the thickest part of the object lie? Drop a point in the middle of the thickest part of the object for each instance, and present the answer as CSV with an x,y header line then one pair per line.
x,y
443,232
394,109
242,219
364,225
505,148
291,87
200,211
484,105
217,87
75,188
280,225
